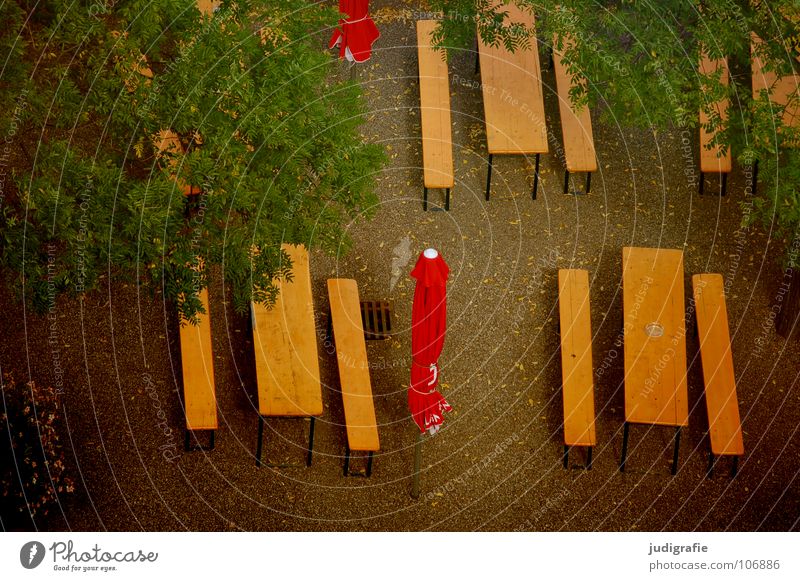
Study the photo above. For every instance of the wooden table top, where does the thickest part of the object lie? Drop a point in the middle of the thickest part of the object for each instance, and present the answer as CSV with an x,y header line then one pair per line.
x,y
434,93
576,126
513,101
779,88
285,344
655,337
351,355
710,159
197,362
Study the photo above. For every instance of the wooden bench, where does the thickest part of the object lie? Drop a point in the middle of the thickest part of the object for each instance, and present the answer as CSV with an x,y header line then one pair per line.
x,y
724,425
576,126
197,360
513,98
577,374
434,96
351,355
712,157
285,345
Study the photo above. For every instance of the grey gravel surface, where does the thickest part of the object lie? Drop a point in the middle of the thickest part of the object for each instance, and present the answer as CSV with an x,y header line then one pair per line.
x,y
497,463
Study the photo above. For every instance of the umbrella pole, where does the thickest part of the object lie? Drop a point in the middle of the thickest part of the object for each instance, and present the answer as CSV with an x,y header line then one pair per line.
x,y
417,462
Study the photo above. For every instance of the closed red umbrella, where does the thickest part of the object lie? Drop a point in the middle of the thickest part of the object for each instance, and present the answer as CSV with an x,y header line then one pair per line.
x,y
428,326
356,33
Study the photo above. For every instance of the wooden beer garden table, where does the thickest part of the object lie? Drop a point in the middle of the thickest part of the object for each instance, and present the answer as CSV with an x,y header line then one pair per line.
x,y
655,342
513,101
285,343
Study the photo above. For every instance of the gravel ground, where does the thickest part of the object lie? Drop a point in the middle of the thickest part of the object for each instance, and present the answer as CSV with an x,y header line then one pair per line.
x,y
497,463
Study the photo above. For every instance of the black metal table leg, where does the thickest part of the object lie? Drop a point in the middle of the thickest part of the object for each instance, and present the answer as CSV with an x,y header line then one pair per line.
x,y
735,466
369,465
588,181
536,177
447,199
625,431
311,442
702,182
589,459
675,453
724,182
425,199
186,440
260,438
477,57
711,461
211,442
755,176
347,461
566,456
489,177
566,181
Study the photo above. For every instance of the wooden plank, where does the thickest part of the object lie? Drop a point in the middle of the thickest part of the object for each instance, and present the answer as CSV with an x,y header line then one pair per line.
x,y
351,355
576,126
208,6
434,93
779,89
655,366
713,160
197,361
513,100
577,374
167,141
285,343
725,428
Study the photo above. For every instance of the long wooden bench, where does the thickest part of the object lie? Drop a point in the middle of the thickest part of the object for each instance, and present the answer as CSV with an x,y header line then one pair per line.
x,y
513,97
712,157
285,345
576,126
577,375
197,360
434,96
351,355
724,425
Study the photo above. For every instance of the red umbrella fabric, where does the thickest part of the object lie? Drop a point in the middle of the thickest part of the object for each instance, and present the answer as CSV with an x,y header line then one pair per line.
x,y
356,33
428,326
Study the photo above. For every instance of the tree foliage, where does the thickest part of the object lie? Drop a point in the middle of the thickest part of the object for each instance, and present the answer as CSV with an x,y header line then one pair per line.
x,y
269,144
641,62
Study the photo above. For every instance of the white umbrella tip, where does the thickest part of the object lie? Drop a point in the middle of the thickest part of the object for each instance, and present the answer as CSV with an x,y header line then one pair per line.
x,y
431,253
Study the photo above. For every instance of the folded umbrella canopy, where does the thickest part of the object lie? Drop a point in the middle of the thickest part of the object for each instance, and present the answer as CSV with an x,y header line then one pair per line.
x,y
428,325
356,33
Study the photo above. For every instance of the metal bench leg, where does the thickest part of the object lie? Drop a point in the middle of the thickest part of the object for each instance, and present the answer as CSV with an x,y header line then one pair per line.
x,y
711,461
536,177
186,440
369,465
724,183
625,431
425,199
310,442
260,438
588,181
675,453
702,182
447,199
211,442
566,456
589,459
566,181
489,177
347,460
477,55
735,466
